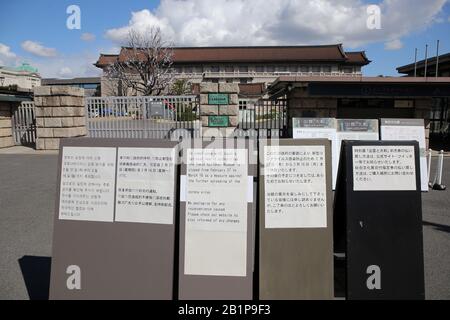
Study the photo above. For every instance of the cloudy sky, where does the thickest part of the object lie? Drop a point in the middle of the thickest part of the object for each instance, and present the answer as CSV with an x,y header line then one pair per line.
x,y
35,31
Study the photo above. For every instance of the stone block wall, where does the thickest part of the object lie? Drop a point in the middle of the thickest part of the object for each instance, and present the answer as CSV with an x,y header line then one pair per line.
x,y
60,113
6,138
230,110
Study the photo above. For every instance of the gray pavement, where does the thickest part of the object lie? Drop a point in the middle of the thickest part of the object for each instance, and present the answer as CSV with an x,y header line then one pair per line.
x,y
27,201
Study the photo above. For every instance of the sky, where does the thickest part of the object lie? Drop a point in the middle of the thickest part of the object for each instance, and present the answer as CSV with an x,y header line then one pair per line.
x,y
36,31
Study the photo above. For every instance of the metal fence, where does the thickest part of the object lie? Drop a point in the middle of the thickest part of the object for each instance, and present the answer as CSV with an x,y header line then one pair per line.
x,y
155,117
24,124
265,118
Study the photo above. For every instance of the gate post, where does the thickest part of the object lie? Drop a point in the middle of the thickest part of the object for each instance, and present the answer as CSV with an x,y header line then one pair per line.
x,y
6,139
219,109
60,113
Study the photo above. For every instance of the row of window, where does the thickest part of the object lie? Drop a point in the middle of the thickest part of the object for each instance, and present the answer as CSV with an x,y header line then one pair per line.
x,y
261,68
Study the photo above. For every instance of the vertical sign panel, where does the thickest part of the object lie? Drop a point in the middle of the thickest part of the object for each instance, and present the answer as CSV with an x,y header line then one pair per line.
x,y
216,238
408,129
114,232
318,128
216,212
296,248
378,219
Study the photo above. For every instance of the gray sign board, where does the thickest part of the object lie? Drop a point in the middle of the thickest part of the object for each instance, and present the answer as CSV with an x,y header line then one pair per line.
x,y
114,234
295,220
217,202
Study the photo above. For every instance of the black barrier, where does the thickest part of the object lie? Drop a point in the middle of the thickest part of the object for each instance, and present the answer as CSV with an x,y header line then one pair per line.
x,y
378,219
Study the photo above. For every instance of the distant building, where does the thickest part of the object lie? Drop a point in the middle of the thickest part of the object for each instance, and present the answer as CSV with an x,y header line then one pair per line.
x,y
250,65
91,85
24,77
440,111
443,67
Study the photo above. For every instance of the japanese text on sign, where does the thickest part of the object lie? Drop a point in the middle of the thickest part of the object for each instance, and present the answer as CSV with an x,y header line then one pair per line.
x,y
384,168
295,187
87,184
145,185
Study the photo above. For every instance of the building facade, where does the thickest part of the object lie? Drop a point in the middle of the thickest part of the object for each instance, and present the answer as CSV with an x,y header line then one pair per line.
x,y
250,65
91,85
362,98
440,111
418,68
24,77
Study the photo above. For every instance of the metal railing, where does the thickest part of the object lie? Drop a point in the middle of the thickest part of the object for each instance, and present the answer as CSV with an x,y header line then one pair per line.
x,y
24,124
266,118
144,117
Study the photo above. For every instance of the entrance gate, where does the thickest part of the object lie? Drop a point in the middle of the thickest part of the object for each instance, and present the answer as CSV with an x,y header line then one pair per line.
x,y
264,119
24,124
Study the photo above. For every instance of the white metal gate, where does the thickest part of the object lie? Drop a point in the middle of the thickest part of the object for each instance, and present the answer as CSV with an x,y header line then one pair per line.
x,y
154,117
24,124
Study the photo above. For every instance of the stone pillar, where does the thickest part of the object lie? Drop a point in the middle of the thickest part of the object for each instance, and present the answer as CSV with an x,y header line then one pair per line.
x,y
6,139
60,113
219,120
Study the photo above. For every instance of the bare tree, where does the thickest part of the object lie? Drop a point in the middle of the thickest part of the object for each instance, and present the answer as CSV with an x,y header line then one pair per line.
x,y
181,87
146,64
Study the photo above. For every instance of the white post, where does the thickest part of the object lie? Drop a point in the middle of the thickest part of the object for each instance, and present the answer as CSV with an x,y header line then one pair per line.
x,y
437,184
440,165
429,166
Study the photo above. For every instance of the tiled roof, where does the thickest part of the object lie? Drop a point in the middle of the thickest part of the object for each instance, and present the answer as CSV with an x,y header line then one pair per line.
x,y
325,53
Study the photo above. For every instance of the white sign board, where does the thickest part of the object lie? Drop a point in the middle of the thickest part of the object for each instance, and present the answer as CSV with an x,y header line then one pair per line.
x,y
318,128
216,212
404,130
352,129
295,187
384,168
145,185
87,184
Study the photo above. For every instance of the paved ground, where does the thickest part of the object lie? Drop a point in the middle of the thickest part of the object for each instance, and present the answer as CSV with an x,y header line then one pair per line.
x,y
27,190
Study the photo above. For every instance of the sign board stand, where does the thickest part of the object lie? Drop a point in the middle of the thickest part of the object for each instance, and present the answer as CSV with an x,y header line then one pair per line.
x,y
217,220
378,219
408,129
295,224
114,227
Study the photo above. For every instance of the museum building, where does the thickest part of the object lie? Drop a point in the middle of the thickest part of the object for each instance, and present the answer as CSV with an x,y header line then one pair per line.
x,y
253,65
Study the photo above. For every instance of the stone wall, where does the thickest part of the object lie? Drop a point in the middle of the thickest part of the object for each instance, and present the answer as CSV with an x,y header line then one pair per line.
x,y
230,110
60,113
6,139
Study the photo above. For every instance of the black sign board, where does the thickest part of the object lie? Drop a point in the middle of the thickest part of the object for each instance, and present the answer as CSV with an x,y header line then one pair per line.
x,y
378,219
